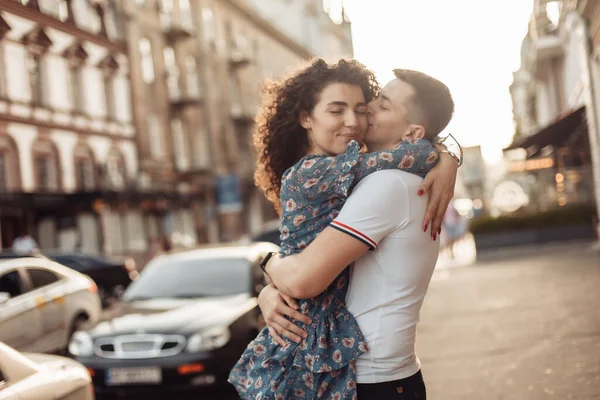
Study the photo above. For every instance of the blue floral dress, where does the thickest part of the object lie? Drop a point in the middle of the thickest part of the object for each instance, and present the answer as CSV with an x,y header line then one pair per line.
x,y
322,366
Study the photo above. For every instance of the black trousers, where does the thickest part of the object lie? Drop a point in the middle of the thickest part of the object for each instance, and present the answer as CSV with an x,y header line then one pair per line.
x,y
411,388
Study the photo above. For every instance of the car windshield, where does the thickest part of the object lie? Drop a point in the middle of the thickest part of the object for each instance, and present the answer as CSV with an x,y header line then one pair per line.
x,y
172,278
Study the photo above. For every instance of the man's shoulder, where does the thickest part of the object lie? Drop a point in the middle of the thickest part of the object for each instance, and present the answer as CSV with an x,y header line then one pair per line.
x,y
389,180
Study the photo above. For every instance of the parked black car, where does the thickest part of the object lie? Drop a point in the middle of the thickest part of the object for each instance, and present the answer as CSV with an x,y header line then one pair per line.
x,y
269,233
112,276
180,327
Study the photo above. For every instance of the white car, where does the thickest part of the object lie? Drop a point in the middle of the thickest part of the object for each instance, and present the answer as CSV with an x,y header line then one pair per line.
x,y
42,304
42,377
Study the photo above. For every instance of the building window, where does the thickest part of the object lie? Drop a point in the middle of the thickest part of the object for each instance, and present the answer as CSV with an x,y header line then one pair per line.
x,y
109,95
155,137
86,16
109,67
84,174
76,87
56,8
172,73
147,63
9,164
2,72
63,10
186,14
191,73
201,153
45,166
208,22
36,76
115,169
42,172
180,146
113,21
80,173
166,13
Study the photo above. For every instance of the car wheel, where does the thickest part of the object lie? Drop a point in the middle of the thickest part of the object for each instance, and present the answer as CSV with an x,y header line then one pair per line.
x,y
77,324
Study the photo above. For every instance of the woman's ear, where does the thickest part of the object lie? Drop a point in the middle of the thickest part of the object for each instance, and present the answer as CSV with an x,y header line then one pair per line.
x,y
305,120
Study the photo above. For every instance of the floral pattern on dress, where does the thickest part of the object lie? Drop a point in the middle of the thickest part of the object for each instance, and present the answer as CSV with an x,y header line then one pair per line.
x,y
322,366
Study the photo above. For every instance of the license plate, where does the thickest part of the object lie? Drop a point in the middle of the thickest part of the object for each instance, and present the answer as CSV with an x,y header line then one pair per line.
x,y
131,376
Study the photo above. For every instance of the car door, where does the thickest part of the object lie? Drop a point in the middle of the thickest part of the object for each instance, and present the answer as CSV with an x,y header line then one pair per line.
x,y
19,318
48,289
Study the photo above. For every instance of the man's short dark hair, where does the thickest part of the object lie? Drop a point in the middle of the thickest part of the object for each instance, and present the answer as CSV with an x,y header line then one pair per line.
x,y
431,105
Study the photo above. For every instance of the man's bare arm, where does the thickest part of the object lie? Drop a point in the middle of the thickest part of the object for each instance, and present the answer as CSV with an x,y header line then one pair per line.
x,y
308,273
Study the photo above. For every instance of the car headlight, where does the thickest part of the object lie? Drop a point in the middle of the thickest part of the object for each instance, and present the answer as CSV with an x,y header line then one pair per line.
x,y
81,344
209,339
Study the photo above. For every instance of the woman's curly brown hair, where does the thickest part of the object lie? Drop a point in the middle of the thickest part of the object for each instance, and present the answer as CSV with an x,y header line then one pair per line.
x,y
279,139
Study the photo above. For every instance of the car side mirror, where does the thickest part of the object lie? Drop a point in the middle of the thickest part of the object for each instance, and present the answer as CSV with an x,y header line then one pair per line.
x,y
4,297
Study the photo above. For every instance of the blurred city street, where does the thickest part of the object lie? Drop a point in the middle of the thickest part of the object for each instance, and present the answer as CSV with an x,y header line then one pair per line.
x,y
148,159
524,326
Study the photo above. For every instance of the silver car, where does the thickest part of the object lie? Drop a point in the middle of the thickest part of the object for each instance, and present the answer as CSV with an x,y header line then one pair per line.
x,y
42,304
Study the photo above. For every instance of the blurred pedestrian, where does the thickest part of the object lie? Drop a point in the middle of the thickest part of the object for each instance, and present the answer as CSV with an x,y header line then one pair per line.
x,y
24,244
159,246
454,228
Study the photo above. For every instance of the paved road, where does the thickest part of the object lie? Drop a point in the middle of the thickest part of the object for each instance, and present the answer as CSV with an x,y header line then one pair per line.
x,y
525,327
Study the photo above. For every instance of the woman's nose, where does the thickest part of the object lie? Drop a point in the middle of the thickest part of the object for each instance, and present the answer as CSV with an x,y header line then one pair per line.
x,y
351,119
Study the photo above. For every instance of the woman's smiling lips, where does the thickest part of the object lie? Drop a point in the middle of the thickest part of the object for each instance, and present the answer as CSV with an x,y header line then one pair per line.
x,y
351,135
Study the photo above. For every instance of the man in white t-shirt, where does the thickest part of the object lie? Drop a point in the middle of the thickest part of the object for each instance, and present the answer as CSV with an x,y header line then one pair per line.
x,y
383,213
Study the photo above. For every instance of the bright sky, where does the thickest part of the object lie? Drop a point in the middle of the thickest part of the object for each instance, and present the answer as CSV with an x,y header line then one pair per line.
x,y
473,46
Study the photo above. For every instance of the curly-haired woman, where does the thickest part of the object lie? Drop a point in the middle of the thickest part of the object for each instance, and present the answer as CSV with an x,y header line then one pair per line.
x,y
309,161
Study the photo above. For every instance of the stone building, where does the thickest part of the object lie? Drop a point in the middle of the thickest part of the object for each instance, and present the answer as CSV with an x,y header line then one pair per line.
x,y
67,139
197,67
555,154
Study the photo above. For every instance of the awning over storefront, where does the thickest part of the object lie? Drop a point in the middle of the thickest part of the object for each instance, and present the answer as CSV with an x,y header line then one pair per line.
x,y
86,201
555,134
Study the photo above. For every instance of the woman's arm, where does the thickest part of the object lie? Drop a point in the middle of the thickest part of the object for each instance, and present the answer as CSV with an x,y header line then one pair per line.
x,y
328,176
416,157
439,184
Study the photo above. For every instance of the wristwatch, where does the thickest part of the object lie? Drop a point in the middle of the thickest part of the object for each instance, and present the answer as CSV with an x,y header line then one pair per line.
x,y
263,263
451,154
451,147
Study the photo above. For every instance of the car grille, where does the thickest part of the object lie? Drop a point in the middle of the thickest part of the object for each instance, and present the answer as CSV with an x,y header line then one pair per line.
x,y
139,346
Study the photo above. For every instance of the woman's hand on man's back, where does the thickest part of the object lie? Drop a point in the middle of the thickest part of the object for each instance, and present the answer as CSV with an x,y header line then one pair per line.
x,y
274,306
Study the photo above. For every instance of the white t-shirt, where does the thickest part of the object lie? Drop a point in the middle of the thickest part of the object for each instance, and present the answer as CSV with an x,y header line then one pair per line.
x,y
388,285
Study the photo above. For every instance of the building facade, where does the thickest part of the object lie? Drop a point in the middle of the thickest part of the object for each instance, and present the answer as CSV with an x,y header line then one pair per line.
x,y
197,68
553,156
124,122
67,138
590,50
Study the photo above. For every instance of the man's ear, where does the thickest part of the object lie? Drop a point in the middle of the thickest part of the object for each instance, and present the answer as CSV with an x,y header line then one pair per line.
x,y
415,132
305,120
